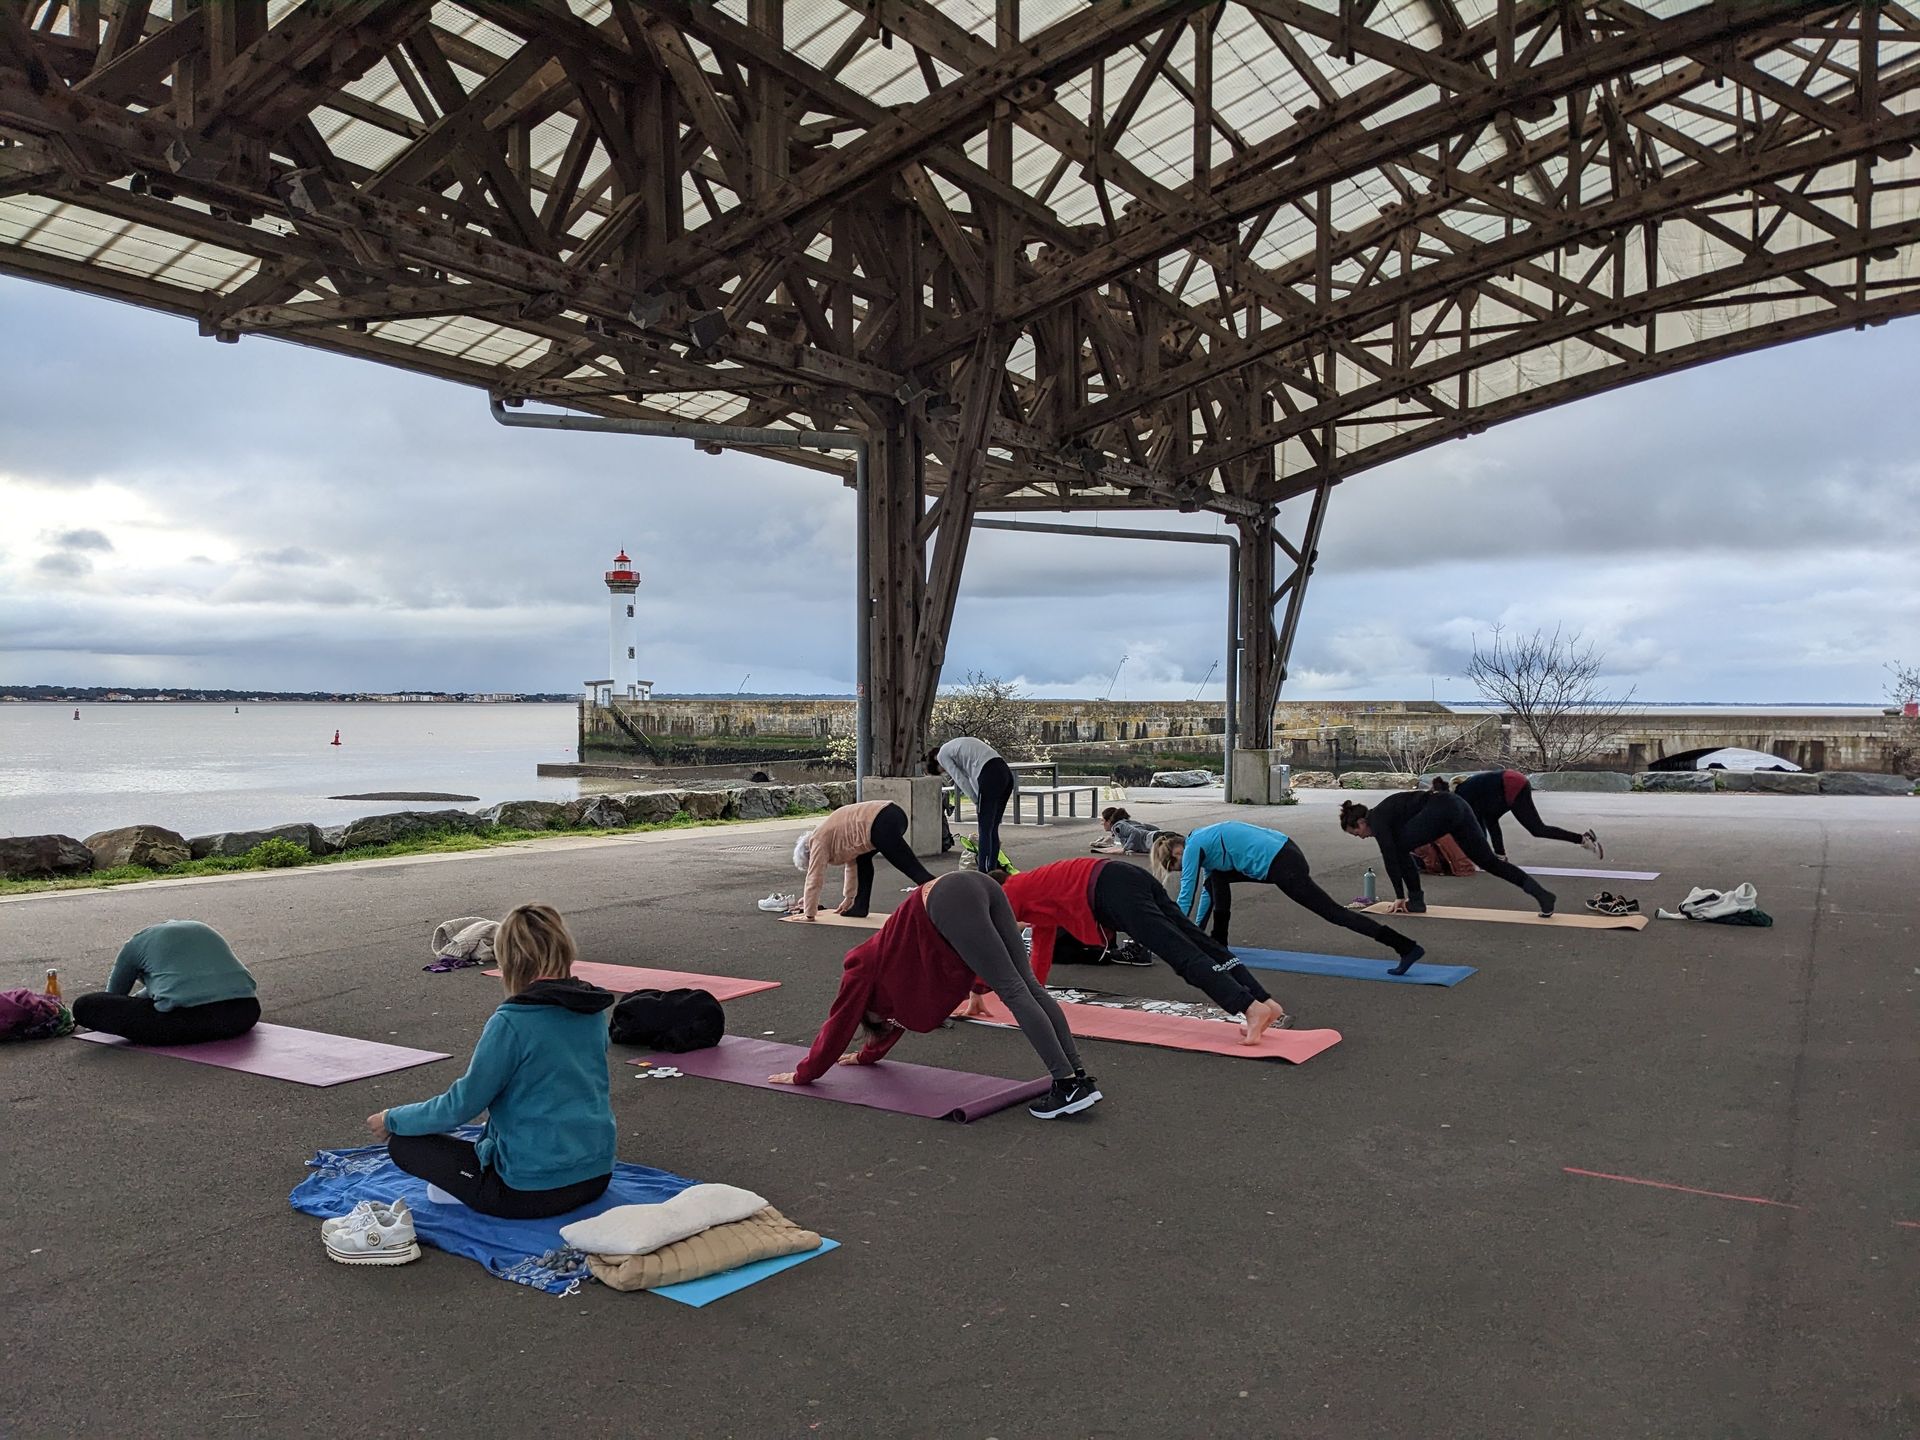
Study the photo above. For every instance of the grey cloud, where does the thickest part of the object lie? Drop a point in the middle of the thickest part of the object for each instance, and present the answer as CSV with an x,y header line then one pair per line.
x,y
286,555
80,540
64,563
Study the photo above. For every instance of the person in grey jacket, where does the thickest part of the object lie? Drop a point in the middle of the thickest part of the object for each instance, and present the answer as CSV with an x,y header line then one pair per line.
x,y
1124,834
978,772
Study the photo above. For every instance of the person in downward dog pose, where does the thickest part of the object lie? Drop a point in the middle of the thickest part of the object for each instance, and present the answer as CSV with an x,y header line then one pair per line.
x,y
1408,819
1091,900
849,837
954,935
1494,793
1214,857
978,772
539,1072
193,989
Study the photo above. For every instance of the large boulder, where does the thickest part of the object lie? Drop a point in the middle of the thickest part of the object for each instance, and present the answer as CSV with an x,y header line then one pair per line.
x,y
761,802
1862,782
1181,779
595,812
1377,780
1311,779
239,842
810,797
1690,781
409,825
1591,782
709,804
1783,782
839,792
43,857
152,846
651,807
525,814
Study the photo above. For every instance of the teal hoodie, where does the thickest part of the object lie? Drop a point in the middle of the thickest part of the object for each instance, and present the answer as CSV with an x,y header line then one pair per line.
x,y
539,1072
180,963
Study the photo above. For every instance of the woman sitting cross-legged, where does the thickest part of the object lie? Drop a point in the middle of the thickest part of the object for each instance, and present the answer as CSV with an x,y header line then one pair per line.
x,y
193,989
539,1072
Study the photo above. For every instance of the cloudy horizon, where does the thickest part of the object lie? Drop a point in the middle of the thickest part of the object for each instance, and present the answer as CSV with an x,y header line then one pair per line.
x,y
261,516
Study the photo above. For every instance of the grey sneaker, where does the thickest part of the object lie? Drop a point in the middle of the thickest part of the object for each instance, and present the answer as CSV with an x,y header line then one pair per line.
x,y
1591,841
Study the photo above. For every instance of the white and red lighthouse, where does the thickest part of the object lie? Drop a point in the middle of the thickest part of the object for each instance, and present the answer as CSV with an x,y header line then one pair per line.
x,y
623,662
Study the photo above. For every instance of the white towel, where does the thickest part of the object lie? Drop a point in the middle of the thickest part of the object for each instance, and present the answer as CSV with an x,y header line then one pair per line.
x,y
643,1229
468,938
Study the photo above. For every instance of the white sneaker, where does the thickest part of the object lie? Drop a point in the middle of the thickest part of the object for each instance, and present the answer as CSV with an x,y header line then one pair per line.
x,y
374,1236
776,902
378,1210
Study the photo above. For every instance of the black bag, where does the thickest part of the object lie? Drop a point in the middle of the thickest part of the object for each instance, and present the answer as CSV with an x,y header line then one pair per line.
x,y
674,1020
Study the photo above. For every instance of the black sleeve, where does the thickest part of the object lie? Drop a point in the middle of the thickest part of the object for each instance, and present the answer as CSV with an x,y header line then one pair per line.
x,y
1493,837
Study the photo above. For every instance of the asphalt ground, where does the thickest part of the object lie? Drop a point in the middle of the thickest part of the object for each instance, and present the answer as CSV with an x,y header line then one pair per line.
x,y
1383,1242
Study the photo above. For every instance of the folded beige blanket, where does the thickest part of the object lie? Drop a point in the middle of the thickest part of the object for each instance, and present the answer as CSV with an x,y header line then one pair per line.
x,y
765,1236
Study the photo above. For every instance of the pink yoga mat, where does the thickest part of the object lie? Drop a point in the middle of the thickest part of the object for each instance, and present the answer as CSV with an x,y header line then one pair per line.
x,y
307,1057
1179,1032
891,1085
622,978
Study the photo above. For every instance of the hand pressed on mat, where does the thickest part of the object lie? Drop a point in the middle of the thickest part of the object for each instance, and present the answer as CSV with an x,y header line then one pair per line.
x,y
852,1057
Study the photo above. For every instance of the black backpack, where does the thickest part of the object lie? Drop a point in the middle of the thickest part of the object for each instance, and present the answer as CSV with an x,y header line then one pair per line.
x,y
674,1020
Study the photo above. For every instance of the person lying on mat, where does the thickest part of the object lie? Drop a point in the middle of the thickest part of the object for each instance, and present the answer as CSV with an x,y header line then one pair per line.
x,y
922,964
1215,857
1092,899
1492,794
1124,834
978,772
849,837
539,1072
193,989
1408,819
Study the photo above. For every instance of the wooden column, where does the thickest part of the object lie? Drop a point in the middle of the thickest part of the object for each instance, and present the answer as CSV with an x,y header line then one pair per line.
x,y
896,498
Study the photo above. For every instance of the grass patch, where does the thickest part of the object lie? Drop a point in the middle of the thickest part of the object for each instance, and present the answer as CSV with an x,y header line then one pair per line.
x,y
274,854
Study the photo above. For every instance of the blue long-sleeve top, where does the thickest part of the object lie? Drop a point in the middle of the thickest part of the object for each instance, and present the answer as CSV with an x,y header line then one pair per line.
x,y
1229,848
181,963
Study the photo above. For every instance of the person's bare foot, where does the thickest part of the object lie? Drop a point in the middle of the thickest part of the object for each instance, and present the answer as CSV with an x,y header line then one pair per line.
x,y
1261,1016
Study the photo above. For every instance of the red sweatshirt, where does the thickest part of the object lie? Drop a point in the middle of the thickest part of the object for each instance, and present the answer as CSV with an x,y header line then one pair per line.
x,y
907,974
1057,897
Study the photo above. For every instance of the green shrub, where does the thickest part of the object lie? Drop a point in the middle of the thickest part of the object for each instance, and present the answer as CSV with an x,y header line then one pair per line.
x,y
278,853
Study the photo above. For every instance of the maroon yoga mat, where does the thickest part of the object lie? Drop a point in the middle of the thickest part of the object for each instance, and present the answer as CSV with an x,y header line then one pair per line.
x,y
891,1085
280,1052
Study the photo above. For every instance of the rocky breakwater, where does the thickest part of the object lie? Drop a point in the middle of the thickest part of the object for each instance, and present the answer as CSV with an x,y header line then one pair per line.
x,y
155,848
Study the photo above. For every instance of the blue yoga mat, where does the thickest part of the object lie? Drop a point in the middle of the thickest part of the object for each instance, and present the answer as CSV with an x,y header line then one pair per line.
x,y
1348,968
527,1252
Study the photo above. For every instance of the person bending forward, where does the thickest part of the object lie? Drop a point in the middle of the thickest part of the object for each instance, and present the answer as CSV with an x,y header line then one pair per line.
x,y
1408,819
194,990
1494,793
978,772
849,837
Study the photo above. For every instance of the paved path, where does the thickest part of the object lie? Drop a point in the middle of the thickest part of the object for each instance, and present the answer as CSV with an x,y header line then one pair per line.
x,y
1383,1242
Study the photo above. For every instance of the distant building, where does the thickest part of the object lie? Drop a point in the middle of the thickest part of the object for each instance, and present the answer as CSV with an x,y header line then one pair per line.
x,y
623,656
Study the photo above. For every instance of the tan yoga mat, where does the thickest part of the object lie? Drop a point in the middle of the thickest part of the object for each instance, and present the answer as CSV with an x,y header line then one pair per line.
x,y
845,922
1519,917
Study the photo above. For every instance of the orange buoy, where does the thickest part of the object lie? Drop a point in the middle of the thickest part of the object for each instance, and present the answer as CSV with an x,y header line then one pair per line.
x,y
336,737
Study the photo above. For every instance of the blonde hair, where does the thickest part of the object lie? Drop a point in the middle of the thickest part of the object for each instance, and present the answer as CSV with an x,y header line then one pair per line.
x,y
533,943
1160,857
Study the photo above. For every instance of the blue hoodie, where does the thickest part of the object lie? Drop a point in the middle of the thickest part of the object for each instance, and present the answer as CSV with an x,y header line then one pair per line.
x,y
540,1072
1231,848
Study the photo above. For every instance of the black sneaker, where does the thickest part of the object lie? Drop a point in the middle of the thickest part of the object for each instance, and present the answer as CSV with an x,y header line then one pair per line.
x,y
1545,897
1128,952
1067,1097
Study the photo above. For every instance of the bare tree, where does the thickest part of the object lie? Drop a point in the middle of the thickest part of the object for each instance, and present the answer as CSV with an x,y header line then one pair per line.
x,y
988,709
1550,685
1415,751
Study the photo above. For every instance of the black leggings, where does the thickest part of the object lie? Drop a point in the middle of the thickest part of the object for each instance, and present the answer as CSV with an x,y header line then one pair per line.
x,y
1289,872
454,1165
889,837
137,1018
996,789
1528,814
1125,897
1450,815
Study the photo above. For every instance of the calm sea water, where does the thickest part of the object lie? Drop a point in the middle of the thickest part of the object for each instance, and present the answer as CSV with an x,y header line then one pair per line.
x,y
202,768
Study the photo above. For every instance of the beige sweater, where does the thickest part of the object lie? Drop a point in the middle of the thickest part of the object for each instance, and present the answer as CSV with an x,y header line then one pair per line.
x,y
843,837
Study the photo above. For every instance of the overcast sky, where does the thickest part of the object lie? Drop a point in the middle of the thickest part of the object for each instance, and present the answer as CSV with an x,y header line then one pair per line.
x,y
179,512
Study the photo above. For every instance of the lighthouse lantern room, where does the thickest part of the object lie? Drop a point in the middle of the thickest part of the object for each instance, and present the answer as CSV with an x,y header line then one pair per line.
x,y
623,663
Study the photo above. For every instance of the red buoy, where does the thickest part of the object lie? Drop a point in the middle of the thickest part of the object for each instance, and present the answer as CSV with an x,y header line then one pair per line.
x,y
336,737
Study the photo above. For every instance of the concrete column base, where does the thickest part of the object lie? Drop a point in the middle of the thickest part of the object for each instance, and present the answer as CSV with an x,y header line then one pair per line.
x,y
1257,777
919,796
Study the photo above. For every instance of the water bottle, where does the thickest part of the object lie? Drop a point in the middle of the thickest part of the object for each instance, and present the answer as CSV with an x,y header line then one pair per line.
x,y
53,983
1369,887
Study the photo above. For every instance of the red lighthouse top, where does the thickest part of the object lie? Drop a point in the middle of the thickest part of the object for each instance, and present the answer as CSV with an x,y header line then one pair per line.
x,y
623,572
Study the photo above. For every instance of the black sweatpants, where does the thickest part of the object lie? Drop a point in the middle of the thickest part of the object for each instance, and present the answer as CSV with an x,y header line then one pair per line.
x,y
889,837
1528,814
996,789
137,1018
1450,815
1289,872
454,1165
1125,897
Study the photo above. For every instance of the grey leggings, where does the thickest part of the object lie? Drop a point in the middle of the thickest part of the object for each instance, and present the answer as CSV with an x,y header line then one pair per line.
x,y
973,916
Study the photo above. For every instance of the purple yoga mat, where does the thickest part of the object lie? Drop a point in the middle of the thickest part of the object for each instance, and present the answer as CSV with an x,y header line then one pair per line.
x,y
1592,874
280,1052
890,1085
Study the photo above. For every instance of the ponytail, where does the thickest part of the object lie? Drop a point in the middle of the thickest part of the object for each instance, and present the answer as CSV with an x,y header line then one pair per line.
x,y
1352,812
